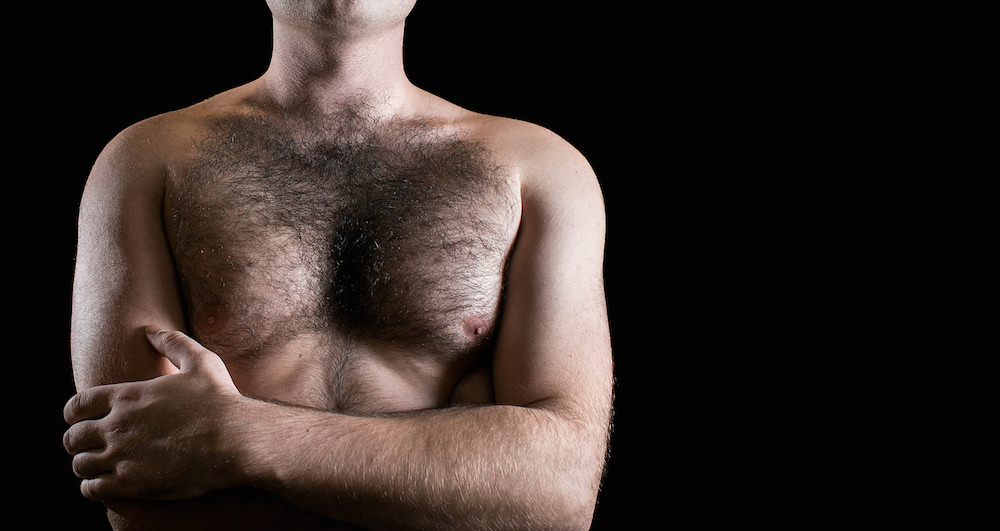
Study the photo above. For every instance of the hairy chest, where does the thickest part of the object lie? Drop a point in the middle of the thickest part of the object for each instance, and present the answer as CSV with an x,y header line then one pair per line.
x,y
387,233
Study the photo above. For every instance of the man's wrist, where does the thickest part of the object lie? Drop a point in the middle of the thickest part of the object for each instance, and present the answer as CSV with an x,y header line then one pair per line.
x,y
241,459
258,438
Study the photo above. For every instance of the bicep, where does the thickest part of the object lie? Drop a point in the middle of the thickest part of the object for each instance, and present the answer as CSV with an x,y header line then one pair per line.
x,y
554,343
124,277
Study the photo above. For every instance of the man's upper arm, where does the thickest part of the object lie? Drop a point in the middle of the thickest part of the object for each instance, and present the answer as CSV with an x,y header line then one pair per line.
x,y
124,277
553,348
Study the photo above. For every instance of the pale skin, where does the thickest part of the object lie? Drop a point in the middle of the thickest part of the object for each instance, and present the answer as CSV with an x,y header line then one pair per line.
x,y
160,417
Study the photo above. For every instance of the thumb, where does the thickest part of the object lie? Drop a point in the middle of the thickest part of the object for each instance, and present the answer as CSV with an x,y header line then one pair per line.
x,y
181,350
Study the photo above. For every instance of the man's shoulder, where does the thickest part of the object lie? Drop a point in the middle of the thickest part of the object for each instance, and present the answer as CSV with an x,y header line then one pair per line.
x,y
165,129
159,141
511,133
142,139
534,151
141,155
545,162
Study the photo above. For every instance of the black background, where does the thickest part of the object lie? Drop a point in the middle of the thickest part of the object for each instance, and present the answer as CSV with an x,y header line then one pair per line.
x,y
78,74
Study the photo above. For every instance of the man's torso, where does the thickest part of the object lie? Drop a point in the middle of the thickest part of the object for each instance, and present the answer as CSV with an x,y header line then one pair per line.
x,y
337,263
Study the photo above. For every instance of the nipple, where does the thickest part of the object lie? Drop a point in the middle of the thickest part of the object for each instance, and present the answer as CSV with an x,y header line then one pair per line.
x,y
478,326
211,318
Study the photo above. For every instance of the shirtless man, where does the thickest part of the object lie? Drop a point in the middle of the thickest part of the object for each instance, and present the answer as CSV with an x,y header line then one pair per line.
x,y
328,299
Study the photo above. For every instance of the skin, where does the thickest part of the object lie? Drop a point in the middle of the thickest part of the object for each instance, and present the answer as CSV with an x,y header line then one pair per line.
x,y
160,417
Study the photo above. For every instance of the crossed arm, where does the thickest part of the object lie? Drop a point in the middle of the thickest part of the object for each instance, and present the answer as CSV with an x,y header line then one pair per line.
x,y
168,423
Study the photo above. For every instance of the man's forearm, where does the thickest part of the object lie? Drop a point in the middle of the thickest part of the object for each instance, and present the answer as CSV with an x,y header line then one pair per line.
x,y
490,467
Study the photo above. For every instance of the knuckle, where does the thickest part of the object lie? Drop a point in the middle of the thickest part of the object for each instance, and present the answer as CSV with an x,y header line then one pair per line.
x,y
114,449
126,393
123,472
118,437
116,430
132,480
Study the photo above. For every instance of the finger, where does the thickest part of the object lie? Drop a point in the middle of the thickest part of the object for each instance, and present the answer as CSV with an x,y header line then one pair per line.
x,y
92,403
99,488
185,353
83,436
88,465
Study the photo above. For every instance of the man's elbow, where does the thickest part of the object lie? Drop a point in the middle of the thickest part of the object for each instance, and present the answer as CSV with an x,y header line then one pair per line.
x,y
576,474
576,508
562,502
572,499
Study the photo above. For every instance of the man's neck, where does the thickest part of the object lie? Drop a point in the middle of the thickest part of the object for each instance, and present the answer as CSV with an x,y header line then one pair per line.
x,y
326,71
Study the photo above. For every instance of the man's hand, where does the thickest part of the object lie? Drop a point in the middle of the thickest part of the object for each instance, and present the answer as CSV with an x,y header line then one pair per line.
x,y
158,439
